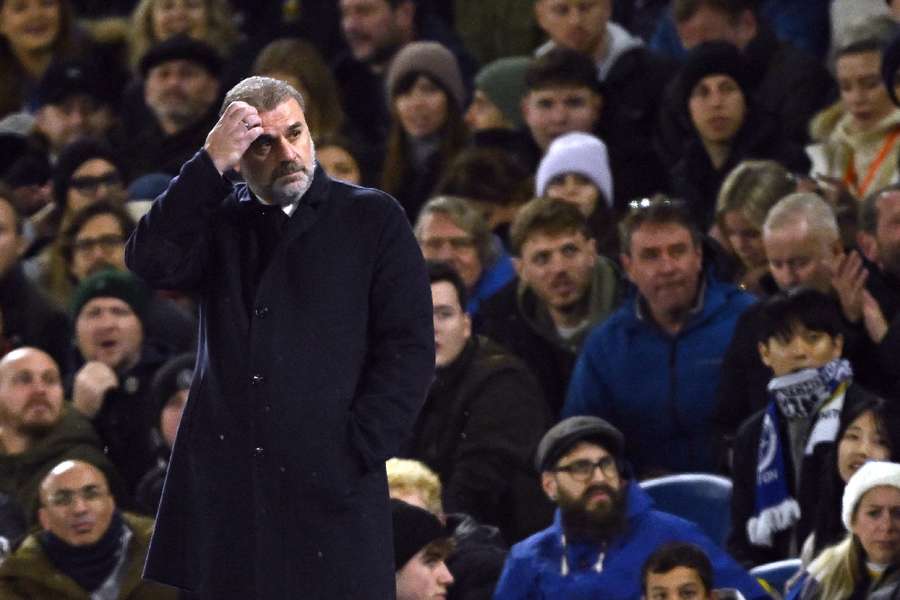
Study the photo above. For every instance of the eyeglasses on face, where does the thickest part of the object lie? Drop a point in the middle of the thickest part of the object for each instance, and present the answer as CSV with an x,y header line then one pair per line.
x,y
583,470
89,185
66,498
107,243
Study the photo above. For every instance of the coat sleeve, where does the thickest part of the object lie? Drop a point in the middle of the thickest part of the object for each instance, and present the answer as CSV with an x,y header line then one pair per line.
x,y
517,581
400,364
169,248
588,391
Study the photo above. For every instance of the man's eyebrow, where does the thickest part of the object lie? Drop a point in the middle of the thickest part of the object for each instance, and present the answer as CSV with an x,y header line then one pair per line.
x,y
295,128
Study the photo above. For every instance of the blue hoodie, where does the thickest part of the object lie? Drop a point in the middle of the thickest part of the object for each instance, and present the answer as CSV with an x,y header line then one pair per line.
x,y
532,569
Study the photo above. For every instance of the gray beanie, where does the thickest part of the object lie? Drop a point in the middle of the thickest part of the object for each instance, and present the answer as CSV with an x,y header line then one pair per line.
x,y
580,153
503,82
873,474
432,59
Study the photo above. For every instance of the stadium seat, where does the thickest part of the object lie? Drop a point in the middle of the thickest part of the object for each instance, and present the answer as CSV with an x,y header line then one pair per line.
x,y
776,574
699,497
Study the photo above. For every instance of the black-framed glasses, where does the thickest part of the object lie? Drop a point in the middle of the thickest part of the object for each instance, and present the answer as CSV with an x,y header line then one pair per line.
x,y
89,185
107,243
583,470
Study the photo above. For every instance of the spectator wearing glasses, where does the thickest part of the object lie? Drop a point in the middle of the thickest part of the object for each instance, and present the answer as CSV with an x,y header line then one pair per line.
x,y
85,547
93,242
605,526
450,230
87,171
652,368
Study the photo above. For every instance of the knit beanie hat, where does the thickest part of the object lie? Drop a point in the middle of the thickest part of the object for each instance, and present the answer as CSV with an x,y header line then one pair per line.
x,y
73,156
431,59
712,58
580,153
111,283
414,528
503,82
175,375
181,47
872,474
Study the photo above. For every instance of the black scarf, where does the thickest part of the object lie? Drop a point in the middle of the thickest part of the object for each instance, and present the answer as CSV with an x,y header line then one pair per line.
x,y
88,566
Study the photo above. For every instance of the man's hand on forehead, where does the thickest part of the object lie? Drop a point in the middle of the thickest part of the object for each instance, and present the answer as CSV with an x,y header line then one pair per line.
x,y
237,129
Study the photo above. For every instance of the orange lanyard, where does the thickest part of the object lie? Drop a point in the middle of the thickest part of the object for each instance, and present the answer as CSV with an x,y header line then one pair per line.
x,y
850,178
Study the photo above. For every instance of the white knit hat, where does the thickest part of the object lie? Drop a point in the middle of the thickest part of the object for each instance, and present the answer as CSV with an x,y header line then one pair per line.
x,y
872,474
580,153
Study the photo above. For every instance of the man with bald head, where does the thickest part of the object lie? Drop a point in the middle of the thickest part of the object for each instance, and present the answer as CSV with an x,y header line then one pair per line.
x,y
804,249
85,545
36,430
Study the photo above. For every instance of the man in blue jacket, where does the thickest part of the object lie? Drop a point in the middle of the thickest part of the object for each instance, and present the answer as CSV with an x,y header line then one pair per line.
x,y
652,368
605,528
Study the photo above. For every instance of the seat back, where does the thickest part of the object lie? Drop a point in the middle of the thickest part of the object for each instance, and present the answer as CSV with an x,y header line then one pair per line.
x,y
699,497
776,574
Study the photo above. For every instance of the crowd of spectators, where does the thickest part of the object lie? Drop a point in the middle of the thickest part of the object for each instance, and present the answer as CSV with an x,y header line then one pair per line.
x,y
663,237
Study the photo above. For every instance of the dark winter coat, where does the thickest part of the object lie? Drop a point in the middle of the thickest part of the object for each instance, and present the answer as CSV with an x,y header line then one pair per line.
x,y
28,574
477,558
478,430
298,398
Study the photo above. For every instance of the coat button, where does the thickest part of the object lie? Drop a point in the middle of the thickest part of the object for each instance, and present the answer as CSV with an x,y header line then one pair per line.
x,y
259,451
261,312
257,379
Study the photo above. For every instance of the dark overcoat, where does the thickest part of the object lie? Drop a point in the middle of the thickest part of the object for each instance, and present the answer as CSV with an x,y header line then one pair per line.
x,y
276,487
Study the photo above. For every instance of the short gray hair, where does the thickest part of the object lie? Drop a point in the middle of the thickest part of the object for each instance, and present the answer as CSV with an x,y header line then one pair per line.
x,y
467,218
262,93
804,207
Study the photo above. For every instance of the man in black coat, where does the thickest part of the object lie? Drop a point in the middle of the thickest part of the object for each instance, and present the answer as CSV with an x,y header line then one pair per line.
x,y
315,352
482,419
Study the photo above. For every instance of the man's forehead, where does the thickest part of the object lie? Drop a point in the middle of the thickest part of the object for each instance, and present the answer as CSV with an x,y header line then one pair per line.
x,y
105,302
547,240
25,359
357,4
660,234
73,476
585,449
181,64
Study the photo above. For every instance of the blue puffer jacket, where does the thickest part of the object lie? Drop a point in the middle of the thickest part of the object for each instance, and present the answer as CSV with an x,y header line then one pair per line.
x,y
657,389
532,570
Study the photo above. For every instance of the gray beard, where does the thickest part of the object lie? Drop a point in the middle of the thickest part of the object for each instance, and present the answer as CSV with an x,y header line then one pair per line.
x,y
292,199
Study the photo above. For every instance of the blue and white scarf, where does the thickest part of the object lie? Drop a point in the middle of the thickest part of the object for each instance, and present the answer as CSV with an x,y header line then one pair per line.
x,y
810,393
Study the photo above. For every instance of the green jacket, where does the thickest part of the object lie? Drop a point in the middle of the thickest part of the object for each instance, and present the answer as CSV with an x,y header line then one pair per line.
x,y
28,575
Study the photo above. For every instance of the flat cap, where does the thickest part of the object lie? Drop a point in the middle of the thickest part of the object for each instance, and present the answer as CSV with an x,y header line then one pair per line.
x,y
565,434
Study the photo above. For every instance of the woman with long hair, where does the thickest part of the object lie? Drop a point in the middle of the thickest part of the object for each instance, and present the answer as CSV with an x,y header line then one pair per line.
x,y
426,95
864,565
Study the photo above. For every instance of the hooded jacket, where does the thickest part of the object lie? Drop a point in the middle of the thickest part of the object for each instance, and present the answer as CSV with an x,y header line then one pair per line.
x,y
532,570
